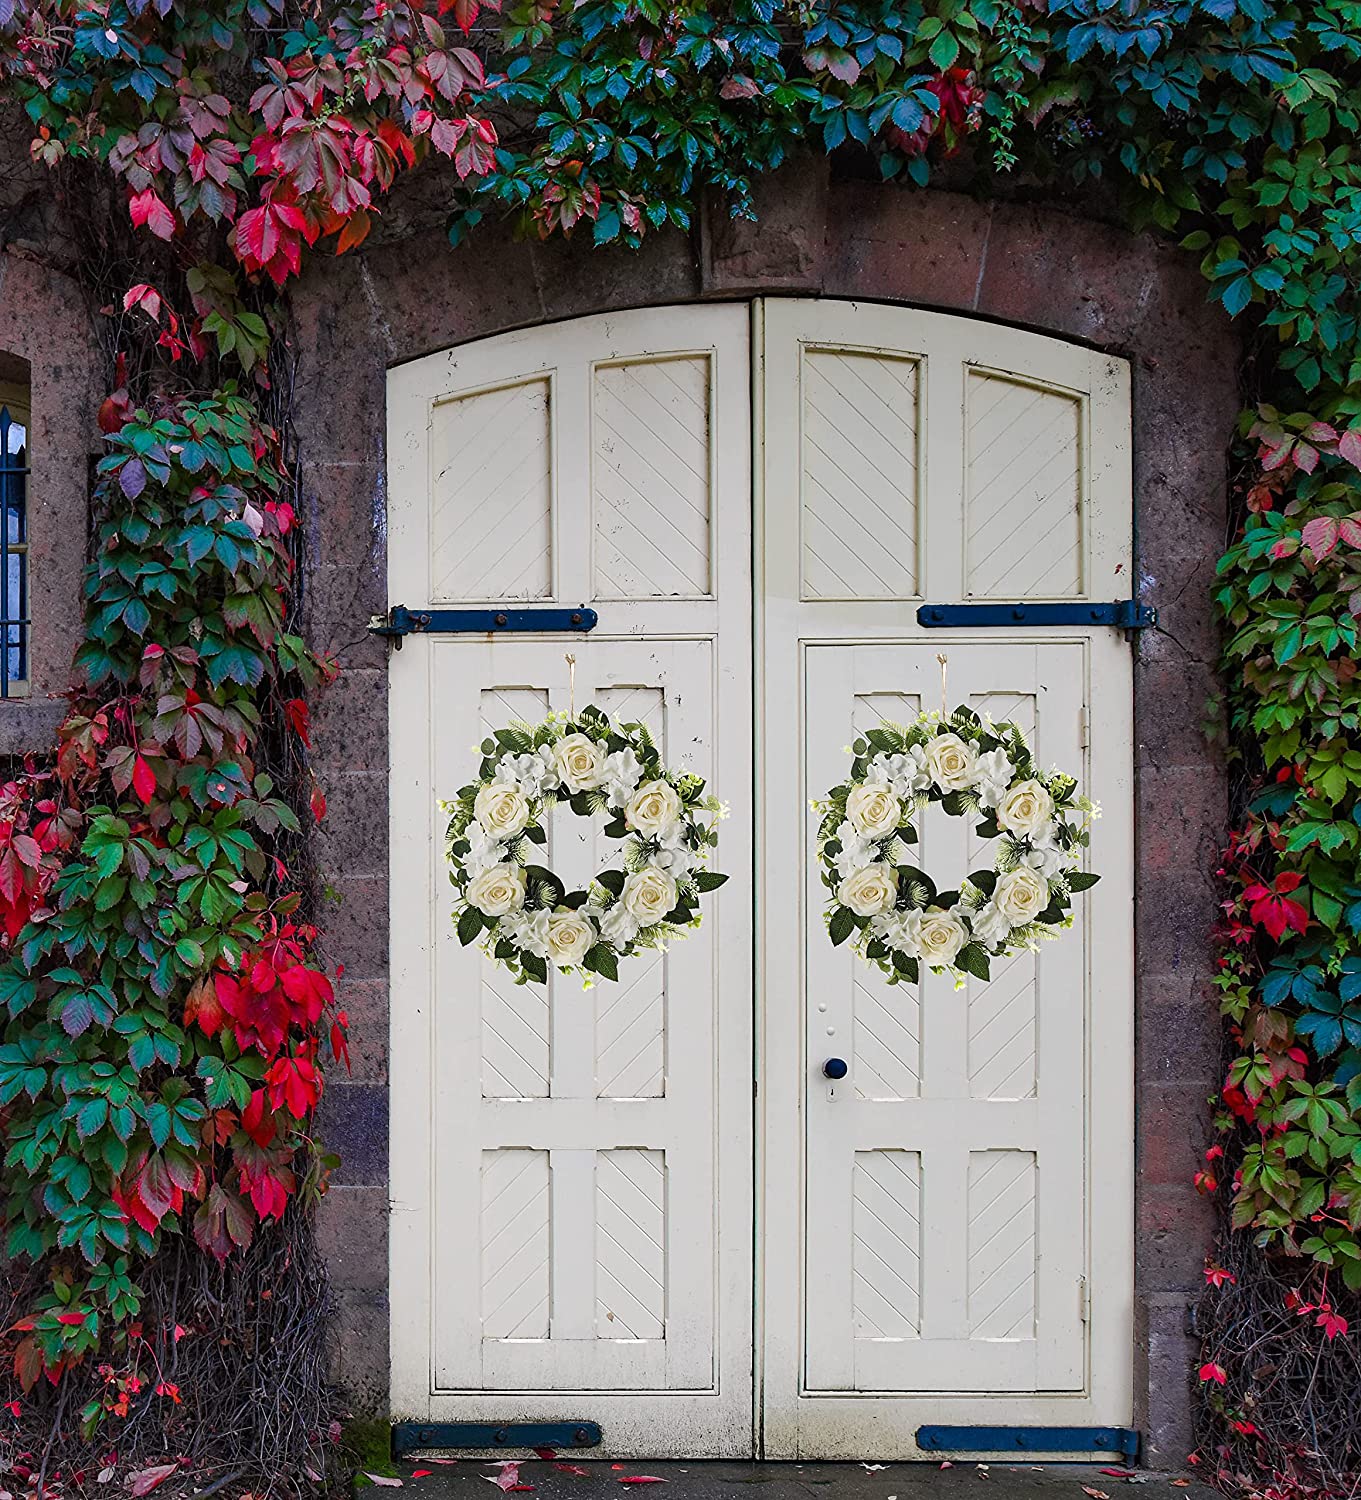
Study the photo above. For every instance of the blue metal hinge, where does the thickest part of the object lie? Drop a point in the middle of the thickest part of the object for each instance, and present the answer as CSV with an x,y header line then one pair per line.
x,y
411,1437
1124,614
1094,1440
401,621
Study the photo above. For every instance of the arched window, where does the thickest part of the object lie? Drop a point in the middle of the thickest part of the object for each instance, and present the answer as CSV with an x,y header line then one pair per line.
x,y
15,420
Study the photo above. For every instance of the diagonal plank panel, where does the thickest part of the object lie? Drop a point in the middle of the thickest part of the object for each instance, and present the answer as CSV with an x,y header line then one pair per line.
x,y
859,491
651,478
1001,1219
886,1256
630,1244
1023,490
515,1244
492,495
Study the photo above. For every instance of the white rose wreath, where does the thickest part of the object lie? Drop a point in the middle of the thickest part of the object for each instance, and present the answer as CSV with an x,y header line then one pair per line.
x,y
971,766
597,766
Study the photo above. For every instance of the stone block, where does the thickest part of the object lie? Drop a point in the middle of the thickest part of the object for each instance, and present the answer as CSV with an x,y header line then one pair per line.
x,y
899,244
782,248
362,1369
365,1003
1172,1129
352,913
353,1122
353,836
352,1235
1183,818
1165,1361
350,724
1175,1230
1180,1038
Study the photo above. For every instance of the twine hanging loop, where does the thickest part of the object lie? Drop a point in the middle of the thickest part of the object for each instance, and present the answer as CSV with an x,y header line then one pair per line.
x,y
944,679
571,685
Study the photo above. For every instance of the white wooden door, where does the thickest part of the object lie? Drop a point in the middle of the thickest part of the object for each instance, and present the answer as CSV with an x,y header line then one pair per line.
x,y
945,1235
572,1168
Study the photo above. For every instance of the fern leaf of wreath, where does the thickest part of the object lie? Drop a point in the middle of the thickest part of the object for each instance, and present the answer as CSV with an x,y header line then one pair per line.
x,y
888,908
528,921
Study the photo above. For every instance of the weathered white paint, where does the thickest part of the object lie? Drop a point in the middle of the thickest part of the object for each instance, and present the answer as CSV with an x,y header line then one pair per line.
x,y
572,1172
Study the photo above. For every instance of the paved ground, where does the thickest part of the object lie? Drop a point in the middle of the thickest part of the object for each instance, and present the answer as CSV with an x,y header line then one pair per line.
x,y
467,1478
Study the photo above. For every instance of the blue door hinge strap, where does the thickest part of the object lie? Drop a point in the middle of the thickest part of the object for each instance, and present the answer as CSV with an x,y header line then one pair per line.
x,y
401,621
1121,1440
412,1437
1124,614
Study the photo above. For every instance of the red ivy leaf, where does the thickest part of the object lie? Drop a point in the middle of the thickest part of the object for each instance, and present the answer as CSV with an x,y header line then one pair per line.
x,y
295,710
318,800
143,780
146,208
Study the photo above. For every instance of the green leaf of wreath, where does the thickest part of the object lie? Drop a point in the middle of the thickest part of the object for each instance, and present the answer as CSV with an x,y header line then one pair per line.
x,y
983,880
534,967
841,926
1080,880
973,959
708,880
602,960
469,926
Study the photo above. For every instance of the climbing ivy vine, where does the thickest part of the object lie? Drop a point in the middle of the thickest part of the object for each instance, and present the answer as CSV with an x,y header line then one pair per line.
x,y
159,1059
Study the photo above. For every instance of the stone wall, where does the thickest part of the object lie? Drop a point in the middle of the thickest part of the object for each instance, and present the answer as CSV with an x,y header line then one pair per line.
x,y
1031,266
45,323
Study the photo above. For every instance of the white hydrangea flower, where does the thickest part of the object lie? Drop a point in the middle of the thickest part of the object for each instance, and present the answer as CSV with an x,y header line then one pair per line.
x,y
618,926
623,771
529,929
484,850
673,854
905,771
528,772
856,852
990,925
994,772
900,930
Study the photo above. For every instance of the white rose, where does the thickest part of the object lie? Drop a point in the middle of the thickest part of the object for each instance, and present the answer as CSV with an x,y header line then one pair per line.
x,y
654,809
502,810
1026,809
498,890
951,762
1020,895
873,810
619,926
648,895
870,890
579,761
941,936
570,938
990,926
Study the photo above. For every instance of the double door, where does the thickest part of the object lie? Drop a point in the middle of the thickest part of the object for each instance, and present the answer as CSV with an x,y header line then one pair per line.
x,y
643,1204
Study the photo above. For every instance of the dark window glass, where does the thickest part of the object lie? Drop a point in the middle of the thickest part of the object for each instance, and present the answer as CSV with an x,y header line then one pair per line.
x,y
14,545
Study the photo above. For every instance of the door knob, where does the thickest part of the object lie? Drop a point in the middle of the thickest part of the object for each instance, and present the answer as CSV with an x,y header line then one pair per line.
x,y
834,1067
